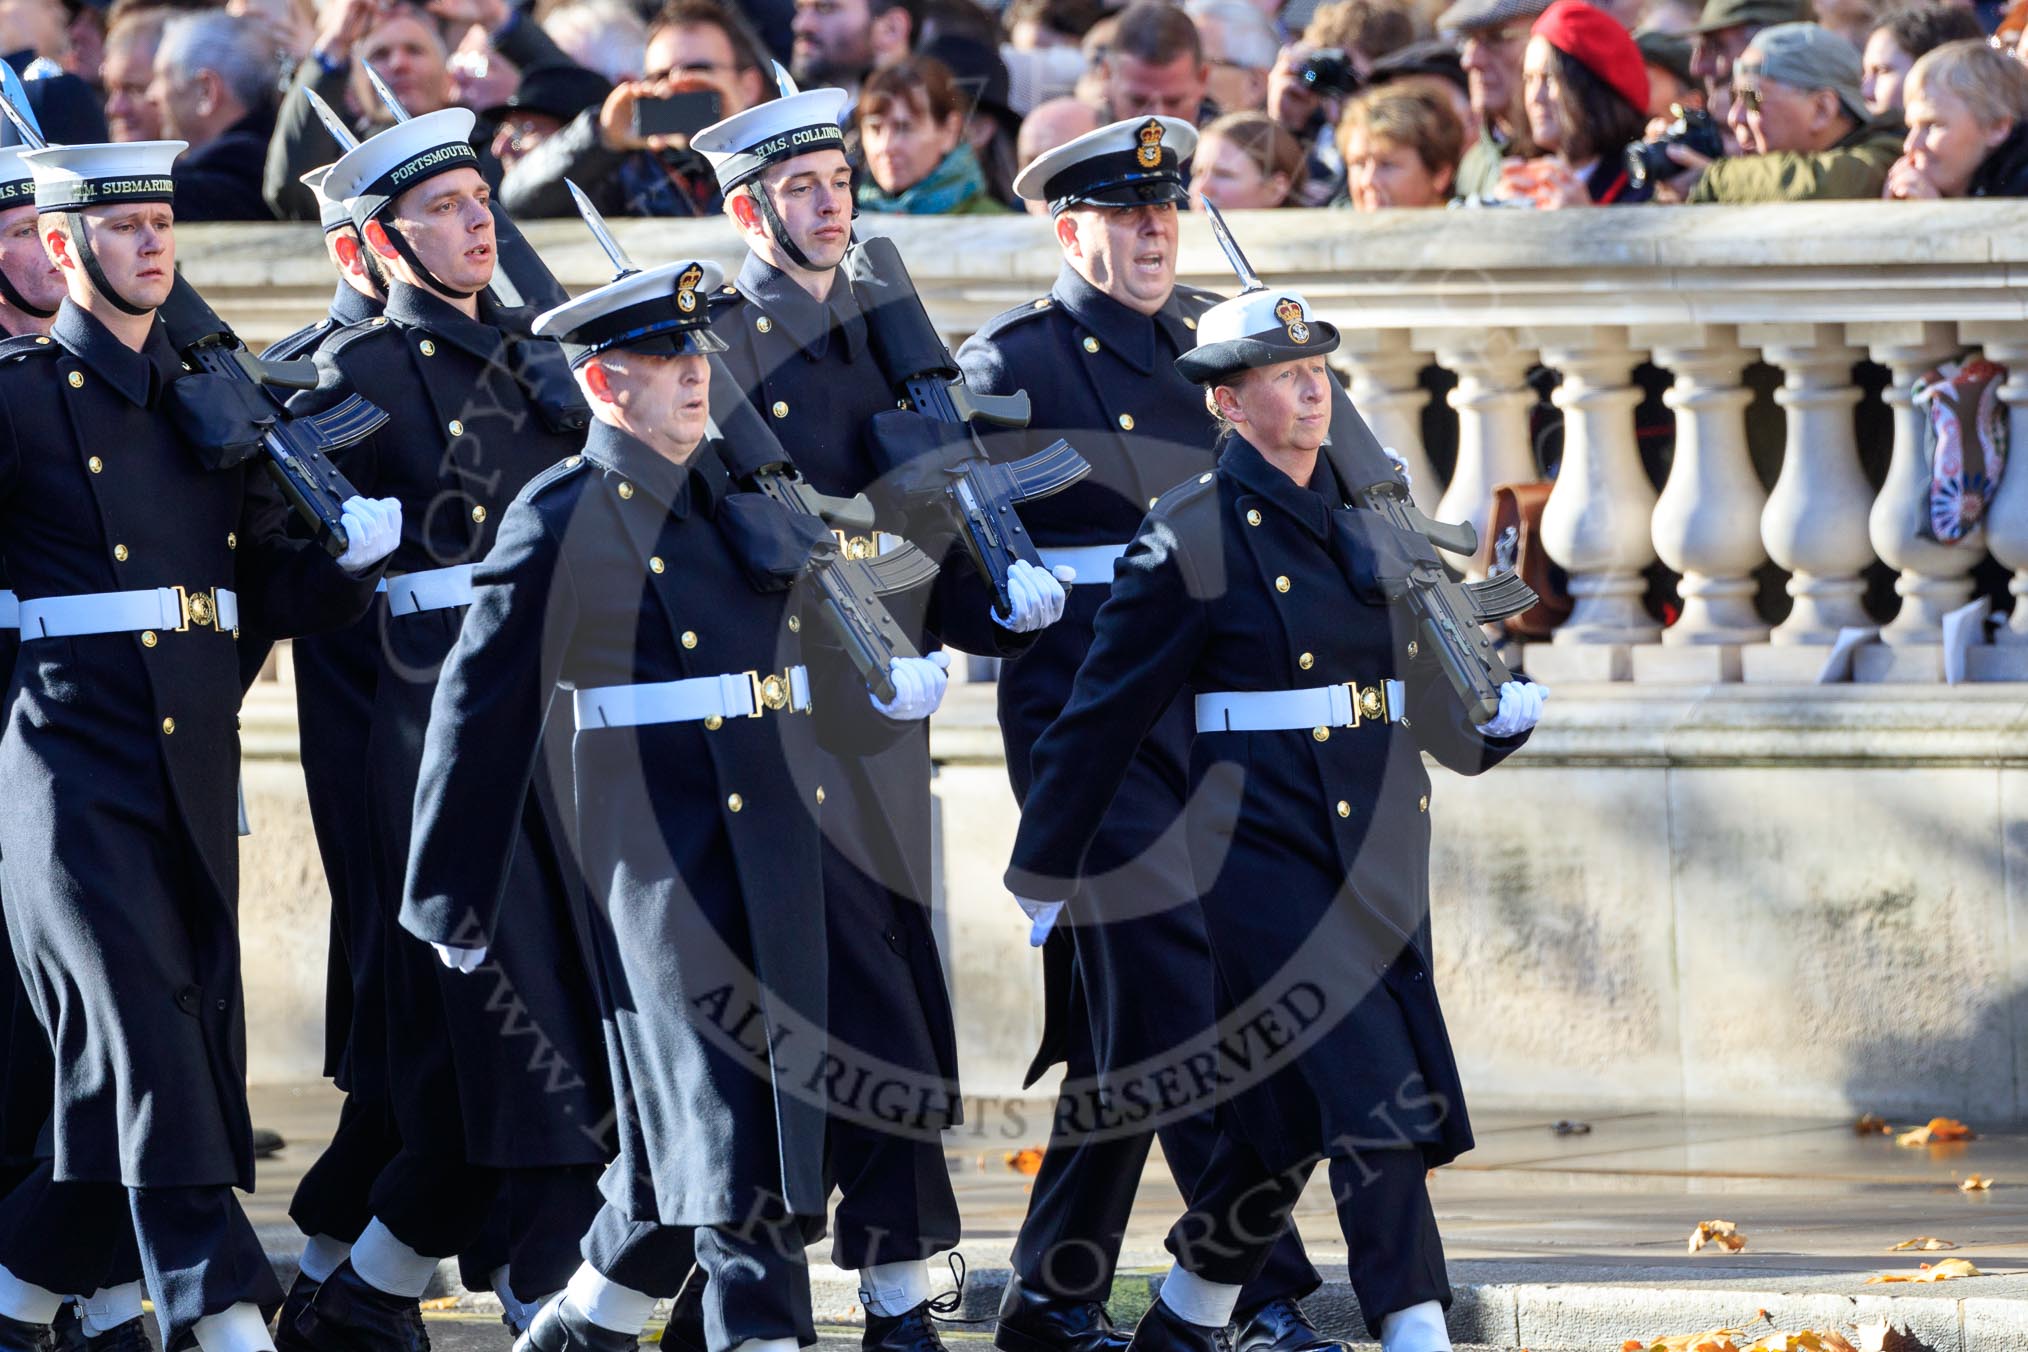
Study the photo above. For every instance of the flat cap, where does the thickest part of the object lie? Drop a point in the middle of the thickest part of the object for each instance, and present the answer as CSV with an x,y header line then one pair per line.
x,y
1466,15
1804,56
1721,14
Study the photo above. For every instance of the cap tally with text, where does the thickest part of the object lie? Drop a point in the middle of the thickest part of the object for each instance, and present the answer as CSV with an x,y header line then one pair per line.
x,y
17,185
384,166
1123,164
1258,328
741,146
661,310
331,212
70,178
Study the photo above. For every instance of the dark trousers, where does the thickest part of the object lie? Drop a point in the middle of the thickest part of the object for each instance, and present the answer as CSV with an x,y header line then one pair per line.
x,y
537,1219
335,1195
1241,1210
196,1250
757,1282
895,1200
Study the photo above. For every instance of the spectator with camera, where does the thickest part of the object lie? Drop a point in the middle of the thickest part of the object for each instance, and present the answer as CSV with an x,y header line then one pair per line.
x,y
1401,149
1902,36
1802,122
1585,89
1492,37
632,154
1967,125
1244,162
911,124
1720,37
1312,78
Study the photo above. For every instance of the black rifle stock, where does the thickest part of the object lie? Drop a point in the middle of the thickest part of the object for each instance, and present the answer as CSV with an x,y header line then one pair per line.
x,y
850,589
298,449
1450,616
976,496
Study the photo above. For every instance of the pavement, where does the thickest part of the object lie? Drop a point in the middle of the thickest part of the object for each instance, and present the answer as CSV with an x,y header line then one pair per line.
x,y
1558,1241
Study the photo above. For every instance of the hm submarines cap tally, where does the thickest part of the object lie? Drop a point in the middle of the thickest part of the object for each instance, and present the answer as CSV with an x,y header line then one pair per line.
x,y
1258,328
661,310
71,178
741,146
1122,164
387,164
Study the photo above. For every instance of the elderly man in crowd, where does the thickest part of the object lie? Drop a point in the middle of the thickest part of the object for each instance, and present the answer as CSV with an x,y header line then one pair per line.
x,y
215,86
1492,35
128,69
1722,33
1240,48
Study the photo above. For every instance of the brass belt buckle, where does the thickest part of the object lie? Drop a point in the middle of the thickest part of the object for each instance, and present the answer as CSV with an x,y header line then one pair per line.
x,y
200,610
855,546
770,692
1368,702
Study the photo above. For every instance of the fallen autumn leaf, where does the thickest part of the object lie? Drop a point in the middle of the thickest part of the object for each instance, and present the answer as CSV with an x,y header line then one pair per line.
x,y
1722,1233
1975,1183
1937,1131
1926,1243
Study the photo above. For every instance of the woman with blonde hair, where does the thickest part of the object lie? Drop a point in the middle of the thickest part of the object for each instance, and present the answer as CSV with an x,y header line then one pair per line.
x,y
1401,149
1967,108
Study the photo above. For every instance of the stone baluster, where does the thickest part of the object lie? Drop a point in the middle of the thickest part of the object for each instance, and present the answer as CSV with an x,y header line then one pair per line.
x,y
1934,577
1492,400
2007,514
1815,521
1707,520
1597,523
1386,389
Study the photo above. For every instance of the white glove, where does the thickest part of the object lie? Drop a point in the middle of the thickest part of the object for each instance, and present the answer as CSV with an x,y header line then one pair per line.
x,y
460,959
918,687
1400,463
1036,596
1042,918
372,530
1520,709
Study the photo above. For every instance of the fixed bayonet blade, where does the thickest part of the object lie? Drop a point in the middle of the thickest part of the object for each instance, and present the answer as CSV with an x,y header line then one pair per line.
x,y
14,102
785,83
1249,280
333,123
386,94
595,221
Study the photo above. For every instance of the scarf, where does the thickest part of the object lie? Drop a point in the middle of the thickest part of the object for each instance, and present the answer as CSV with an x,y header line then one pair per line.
x,y
955,181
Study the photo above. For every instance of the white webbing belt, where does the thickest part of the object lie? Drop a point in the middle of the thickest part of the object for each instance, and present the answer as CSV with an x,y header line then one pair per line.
x,y
10,611
1345,705
1094,563
171,609
430,589
743,694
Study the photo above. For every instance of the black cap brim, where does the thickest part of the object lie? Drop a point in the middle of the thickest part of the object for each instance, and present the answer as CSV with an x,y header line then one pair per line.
x,y
1209,363
1153,193
697,342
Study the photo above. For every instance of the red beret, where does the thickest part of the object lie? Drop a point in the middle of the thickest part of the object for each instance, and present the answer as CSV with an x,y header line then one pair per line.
x,y
1594,39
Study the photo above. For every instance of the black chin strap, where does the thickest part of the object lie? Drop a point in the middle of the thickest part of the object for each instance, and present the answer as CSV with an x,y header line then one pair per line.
x,y
758,195
401,246
13,297
81,237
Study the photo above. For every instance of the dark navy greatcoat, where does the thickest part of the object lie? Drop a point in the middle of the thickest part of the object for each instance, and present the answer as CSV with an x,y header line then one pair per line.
x,y
334,705
467,429
807,368
1311,847
27,1070
1103,377
701,844
120,843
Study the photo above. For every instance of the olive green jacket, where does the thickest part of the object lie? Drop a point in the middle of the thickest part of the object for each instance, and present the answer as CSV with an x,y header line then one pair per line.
x,y
1855,167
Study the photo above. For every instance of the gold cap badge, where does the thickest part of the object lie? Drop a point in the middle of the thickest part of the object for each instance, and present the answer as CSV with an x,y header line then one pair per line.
x,y
1290,312
686,288
1150,153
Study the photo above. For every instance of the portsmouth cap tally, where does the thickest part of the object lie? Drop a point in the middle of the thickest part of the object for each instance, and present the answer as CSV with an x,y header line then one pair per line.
x,y
331,212
69,178
1258,328
384,166
661,310
17,185
741,146
1122,164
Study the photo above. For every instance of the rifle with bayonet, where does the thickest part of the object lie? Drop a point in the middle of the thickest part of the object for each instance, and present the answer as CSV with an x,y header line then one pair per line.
x,y
298,449
849,589
976,496
1450,616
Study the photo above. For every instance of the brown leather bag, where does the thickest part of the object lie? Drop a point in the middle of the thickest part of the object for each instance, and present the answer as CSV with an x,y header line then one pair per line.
x,y
1514,541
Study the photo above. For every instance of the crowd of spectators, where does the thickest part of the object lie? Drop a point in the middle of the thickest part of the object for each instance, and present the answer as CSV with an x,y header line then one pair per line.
x,y
1362,104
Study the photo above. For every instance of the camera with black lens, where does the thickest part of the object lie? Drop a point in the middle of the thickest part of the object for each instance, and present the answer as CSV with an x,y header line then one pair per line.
x,y
1328,73
1693,129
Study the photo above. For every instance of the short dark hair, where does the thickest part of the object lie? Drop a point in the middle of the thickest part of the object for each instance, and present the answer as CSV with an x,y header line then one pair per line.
x,y
1071,18
913,8
1155,33
746,48
1919,29
1597,119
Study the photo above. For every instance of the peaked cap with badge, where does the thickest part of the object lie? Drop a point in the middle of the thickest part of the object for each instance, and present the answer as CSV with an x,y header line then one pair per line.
x,y
1122,164
659,310
1257,328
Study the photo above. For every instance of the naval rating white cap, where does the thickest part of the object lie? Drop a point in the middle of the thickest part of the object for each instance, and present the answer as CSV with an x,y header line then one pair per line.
x,y
1255,328
70,178
741,146
17,185
387,164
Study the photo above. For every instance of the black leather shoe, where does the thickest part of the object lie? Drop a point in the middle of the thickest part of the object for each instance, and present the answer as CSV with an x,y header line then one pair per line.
x,y
67,1335
18,1335
1281,1326
1034,1321
1163,1330
348,1315
266,1142
685,1330
559,1328
913,1331
302,1291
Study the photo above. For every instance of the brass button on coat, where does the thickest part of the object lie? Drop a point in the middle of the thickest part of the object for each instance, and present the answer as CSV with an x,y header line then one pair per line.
x,y
820,795
689,639
1281,584
479,513
714,722
1126,422
1321,734
1423,806
457,427
1091,344
655,564
764,324
1190,324
77,380
232,539
1253,516
429,349
148,639
1306,661
95,465
119,553
626,489
168,726
735,803
1344,808
780,409
795,624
